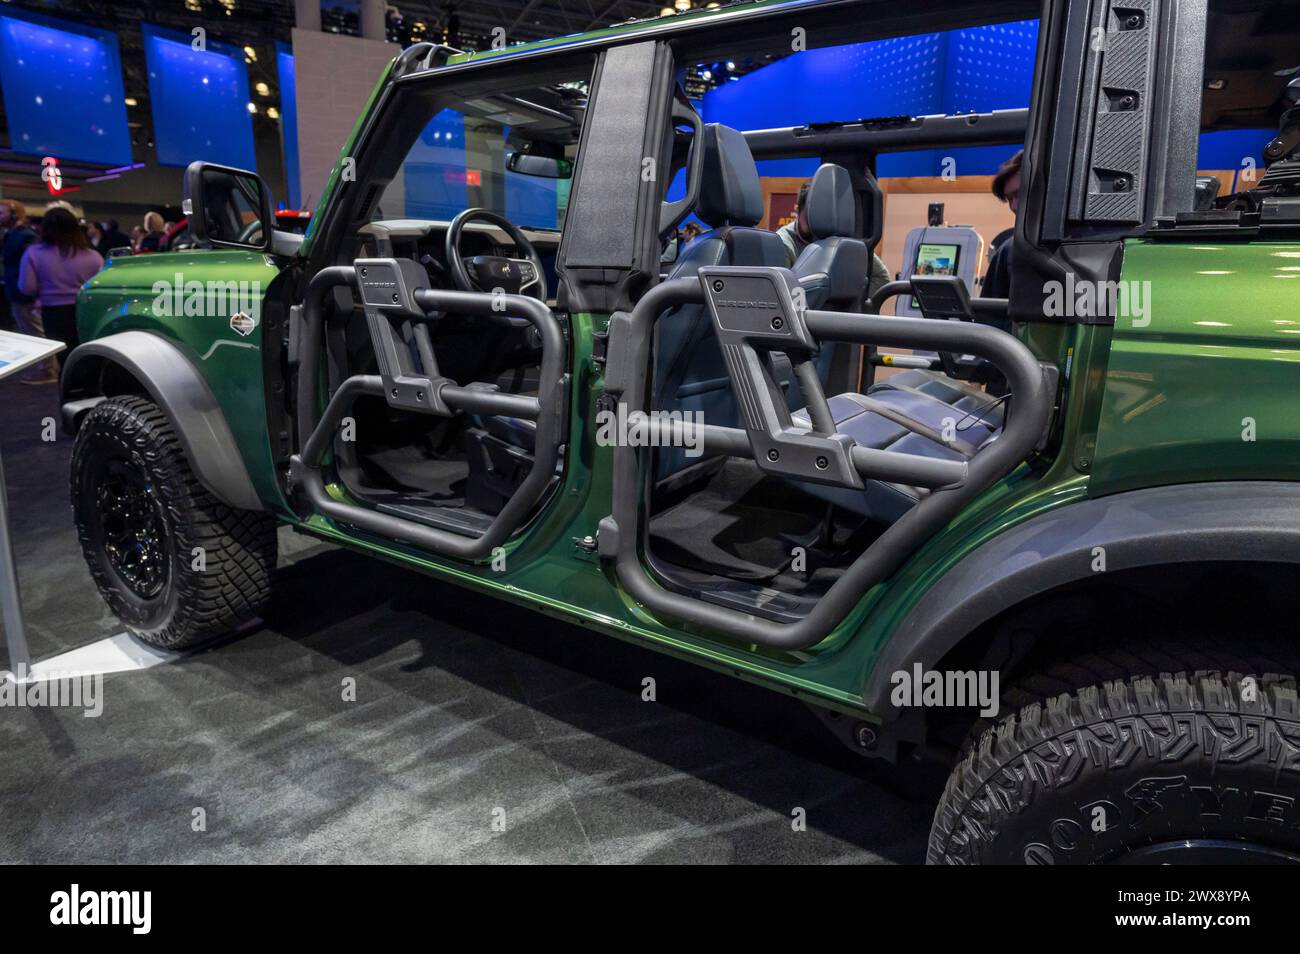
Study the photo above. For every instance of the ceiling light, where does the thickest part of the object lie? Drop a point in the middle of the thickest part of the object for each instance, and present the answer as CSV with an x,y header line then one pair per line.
x,y
252,107
666,11
131,101
262,88
682,5
272,112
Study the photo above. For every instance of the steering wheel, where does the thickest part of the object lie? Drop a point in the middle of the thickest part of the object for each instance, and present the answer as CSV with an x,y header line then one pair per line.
x,y
486,273
249,231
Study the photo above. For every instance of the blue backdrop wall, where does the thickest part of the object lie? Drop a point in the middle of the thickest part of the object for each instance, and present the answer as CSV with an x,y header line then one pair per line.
x,y
974,70
288,120
983,68
199,99
62,85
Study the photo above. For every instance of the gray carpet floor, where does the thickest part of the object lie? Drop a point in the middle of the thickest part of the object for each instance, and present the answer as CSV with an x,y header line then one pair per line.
x,y
480,732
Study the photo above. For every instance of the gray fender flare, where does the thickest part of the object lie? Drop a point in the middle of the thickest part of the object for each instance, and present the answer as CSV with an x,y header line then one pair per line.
x,y
1231,521
177,387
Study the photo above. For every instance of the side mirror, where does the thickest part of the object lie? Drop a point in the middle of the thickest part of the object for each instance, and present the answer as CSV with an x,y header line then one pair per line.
x,y
228,207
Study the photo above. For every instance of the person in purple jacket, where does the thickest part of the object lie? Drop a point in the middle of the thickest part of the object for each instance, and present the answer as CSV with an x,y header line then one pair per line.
x,y
53,271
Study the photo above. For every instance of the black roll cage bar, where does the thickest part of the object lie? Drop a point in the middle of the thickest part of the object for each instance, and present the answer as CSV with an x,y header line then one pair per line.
x,y
955,485
442,396
1002,127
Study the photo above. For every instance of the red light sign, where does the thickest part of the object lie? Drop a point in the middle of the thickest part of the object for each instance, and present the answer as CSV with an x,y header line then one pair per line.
x,y
51,174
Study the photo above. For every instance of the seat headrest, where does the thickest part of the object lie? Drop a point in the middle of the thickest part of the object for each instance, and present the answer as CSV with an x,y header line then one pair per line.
x,y
830,206
730,193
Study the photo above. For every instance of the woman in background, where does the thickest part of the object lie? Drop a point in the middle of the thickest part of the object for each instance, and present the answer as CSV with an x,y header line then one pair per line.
x,y
154,226
54,270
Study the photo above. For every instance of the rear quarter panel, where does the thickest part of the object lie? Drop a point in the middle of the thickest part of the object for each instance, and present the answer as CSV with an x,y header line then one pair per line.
x,y
1205,384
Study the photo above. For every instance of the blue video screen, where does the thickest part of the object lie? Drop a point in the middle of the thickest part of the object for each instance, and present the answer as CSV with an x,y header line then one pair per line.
x,y
200,100
289,120
62,85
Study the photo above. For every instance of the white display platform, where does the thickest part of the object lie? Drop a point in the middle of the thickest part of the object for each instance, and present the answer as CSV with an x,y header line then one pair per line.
x,y
17,352
120,653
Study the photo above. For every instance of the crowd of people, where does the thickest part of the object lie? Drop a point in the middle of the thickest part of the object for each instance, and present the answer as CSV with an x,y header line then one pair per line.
x,y
45,263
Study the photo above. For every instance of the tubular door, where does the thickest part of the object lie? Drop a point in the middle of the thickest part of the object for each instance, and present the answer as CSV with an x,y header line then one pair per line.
x,y
755,315
391,291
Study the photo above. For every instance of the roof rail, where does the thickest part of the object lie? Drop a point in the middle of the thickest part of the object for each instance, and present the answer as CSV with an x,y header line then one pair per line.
x,y
891,134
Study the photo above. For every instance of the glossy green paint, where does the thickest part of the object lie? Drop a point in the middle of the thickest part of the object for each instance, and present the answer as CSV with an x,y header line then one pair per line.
x,y
135,292
1098,442
546,570
1217,355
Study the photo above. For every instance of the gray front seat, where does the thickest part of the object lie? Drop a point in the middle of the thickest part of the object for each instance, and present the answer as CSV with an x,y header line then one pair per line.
x,y
689,373
835,267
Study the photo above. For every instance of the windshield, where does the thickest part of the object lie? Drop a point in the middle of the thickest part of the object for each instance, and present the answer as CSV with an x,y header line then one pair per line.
x,y
511,153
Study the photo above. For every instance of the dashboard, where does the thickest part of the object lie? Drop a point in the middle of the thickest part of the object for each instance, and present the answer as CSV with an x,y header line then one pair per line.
x,y
424,241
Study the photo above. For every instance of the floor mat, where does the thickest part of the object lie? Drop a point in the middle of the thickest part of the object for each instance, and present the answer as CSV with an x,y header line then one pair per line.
x,y
740,525
408,471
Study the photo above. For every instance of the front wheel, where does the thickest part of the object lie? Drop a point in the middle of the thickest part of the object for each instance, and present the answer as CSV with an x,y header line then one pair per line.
x,y
174,563
1170,769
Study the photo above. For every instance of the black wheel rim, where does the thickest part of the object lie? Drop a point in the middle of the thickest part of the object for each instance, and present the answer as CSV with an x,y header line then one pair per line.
x,y
130,516
1207,851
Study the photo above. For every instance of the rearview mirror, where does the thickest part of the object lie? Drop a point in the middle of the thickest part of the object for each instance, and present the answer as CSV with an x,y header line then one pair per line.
x,y
228,207
544,167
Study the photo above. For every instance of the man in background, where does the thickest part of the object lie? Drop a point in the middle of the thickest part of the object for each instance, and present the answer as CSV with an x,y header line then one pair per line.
x,y
1006,186
17,235
112,237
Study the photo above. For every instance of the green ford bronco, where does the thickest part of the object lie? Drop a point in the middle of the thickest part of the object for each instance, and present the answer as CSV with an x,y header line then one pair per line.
x,y
1049,538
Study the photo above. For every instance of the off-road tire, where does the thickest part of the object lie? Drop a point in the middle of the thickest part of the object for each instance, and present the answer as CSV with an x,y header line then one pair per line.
x,y
1129,769
238,547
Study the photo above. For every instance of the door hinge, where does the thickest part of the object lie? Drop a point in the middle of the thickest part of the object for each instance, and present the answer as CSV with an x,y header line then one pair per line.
x,y
584,548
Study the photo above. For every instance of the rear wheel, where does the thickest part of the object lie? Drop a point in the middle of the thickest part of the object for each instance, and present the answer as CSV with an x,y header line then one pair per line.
x,y
174,563
1169,769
